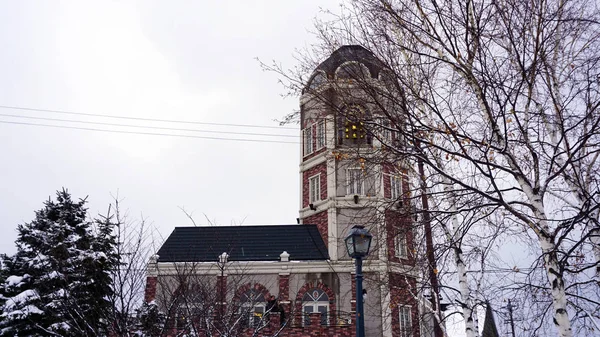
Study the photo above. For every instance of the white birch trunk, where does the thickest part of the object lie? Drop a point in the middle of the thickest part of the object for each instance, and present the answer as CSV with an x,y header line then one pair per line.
x,y
471,327
557,285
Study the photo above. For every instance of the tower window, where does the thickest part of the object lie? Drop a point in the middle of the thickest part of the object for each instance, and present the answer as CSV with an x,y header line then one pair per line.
x,y
355,182
405,321
308,140
320,135
351,126
395,187
355,130
318,79
314,187
401,246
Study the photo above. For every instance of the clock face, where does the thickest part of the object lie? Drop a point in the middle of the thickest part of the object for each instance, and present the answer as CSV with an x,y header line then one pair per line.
x,y
355,111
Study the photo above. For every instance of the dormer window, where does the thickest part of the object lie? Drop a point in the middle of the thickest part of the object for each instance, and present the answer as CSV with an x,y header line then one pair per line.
x,y
318,79
352,71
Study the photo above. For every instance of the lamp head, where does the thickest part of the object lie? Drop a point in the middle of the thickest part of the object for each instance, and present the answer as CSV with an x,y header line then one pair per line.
x,y
358,242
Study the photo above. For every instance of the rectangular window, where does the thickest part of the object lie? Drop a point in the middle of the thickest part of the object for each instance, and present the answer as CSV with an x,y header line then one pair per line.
x,y
401,246
314,187
254,313
320,135
395,187
308,140
355,182
405,322
385,134
313,308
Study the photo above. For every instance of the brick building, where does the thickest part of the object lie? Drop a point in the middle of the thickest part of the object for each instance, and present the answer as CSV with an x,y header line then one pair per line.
x,y
305,265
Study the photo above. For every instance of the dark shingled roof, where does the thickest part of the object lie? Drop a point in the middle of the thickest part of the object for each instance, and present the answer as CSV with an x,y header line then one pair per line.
x,y
243,243
352,53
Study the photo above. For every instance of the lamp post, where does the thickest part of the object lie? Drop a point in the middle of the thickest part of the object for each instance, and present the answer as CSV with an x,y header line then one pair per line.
x,y
358,243
222,264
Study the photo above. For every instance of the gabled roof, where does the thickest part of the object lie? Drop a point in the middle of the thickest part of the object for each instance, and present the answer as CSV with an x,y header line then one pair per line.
x,y
243,243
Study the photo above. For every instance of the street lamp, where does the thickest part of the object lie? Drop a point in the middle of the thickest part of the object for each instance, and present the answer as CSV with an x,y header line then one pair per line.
x,y
358,243
221,265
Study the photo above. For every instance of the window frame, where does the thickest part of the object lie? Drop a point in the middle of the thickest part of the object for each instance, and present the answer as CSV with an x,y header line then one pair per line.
x,y
321,140
351,186
395,186
406,311
249,305
308,141
314,304
401,246
316,186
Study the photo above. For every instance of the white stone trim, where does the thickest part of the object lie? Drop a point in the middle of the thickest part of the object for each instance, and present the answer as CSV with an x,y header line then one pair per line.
x,y
312,161
292,267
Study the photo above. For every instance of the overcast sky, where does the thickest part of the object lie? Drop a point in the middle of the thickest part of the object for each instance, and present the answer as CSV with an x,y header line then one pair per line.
x,y
183,60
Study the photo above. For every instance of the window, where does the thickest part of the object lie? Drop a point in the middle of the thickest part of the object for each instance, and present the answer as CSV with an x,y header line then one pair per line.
x,y
352,71
252,306
405,324
320,135
190,307
355,182
385,133
400,245
318,79
315,300
351,125
396,187
314,186
308,140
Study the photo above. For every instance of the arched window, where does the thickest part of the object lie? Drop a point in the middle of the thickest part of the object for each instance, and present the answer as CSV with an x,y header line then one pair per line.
x,y
389,80
315,300
352,71
318,79
252,305
191,307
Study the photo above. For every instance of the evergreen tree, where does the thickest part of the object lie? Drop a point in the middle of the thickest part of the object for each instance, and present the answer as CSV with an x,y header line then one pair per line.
x,y
59,279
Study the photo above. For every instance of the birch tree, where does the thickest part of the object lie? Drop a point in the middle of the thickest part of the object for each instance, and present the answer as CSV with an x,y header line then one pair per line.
x,y
499,100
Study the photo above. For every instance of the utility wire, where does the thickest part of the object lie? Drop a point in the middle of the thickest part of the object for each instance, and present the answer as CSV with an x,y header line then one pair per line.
x,y
150,133
142,119
148,127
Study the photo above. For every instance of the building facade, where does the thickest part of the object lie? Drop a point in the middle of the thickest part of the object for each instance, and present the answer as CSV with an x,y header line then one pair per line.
x,y
297,280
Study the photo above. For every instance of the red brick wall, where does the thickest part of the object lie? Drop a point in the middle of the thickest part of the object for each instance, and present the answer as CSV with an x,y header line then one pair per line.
x,y
319,219
400,293
399,222
150,291
387,192
322,169
284,287
313,330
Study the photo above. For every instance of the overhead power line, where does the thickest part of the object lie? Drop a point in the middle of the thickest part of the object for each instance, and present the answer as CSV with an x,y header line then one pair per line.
x,y
143,119
148,127
149,133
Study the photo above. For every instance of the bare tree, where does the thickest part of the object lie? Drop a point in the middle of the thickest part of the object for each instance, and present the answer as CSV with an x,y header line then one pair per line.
x,y
499,101
133,249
